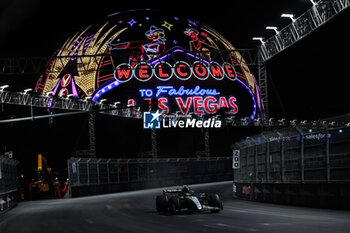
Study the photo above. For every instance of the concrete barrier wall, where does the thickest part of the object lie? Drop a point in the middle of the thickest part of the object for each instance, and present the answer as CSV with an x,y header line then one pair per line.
x,y
8,183
86,190
8,200
336,196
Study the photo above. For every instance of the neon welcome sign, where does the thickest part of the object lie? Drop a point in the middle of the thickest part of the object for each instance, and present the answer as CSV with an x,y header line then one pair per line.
x,y
164,71
182,70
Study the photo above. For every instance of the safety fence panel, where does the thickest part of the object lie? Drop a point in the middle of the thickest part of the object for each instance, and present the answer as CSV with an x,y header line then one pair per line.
x,y
94,171
303,154
8,182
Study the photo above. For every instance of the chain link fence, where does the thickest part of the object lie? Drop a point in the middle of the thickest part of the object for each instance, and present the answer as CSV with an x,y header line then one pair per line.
x,y
8,182
94,171
318,152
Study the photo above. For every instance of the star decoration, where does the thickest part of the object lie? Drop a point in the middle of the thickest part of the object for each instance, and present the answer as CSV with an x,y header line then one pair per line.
x,y
132,22
191,22
167,25
174,41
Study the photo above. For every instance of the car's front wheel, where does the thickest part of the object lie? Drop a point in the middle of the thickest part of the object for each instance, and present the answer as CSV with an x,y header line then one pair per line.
x,y
162,203
174,205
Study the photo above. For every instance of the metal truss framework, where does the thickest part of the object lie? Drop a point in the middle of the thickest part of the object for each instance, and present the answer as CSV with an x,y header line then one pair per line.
x,y
39,65
320,13
49,102
262,74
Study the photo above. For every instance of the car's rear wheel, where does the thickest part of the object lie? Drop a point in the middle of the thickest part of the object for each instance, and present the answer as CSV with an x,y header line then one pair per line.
x,y
162,203
214,200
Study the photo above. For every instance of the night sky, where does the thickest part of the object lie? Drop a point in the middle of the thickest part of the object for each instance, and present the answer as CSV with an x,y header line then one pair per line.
x,y
307,81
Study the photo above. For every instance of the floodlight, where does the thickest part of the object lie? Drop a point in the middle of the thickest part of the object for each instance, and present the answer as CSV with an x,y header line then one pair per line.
x,y
3,87
102,100
69,95
27,90
291,16
48,93
272,28
261,39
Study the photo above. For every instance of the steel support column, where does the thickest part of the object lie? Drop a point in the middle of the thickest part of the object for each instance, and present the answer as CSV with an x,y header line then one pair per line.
x,y
206,143
92,134
262,79
154,143
327,158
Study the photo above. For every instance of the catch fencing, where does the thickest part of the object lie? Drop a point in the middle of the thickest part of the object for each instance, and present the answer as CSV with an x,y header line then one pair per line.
x,y
95,171
92,171
8,182
318,152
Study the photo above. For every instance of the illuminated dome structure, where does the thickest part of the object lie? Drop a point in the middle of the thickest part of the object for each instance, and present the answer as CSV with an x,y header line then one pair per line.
x,y
141,55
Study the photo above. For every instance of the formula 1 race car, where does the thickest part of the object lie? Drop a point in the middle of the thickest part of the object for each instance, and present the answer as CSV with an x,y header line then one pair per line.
x,y
186,200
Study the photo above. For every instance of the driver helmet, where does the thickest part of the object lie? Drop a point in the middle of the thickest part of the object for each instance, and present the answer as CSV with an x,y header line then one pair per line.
x,y
185,189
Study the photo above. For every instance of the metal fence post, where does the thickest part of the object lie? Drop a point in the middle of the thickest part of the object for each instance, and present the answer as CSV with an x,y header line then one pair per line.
x,y
78,171
282,162
302,165
69,169
108,181
267,159
302,162
247,149
268,178
138,170
118,175
327,158
98,171
127,167
206,143
256,161
148,171
283,175
154,143
88,171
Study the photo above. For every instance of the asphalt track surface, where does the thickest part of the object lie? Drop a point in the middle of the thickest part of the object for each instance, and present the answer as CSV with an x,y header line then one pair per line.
x,y
135,212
